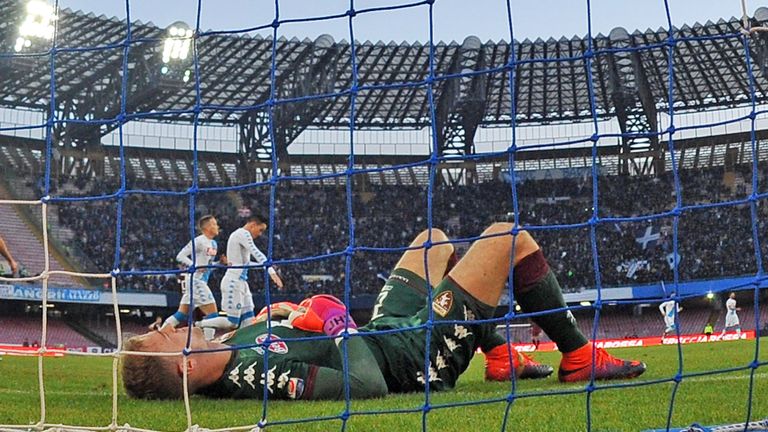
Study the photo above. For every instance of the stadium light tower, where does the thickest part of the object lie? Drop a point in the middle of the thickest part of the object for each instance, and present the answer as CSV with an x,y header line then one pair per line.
x,y
176,57
37,25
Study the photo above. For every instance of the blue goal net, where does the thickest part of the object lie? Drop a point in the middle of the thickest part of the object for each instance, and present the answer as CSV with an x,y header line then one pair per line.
x,y
605,148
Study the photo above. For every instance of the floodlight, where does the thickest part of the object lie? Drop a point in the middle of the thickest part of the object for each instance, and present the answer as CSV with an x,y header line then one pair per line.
x,y
177,43
175,61
37,24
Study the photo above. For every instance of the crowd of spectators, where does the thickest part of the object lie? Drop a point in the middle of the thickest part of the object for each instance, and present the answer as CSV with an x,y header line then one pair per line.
x,y
713,241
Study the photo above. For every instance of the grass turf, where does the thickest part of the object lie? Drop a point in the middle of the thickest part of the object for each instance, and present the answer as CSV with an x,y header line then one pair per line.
x,y
78,392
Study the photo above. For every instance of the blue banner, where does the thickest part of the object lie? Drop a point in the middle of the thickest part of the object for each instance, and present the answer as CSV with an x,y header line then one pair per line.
x,y
20,292
698,287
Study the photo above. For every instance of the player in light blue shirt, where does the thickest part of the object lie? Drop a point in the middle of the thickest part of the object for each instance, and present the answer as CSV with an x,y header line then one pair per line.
x,y
201,255
731,317
669,310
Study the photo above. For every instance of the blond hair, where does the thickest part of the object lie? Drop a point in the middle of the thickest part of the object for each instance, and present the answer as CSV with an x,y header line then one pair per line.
x,y
149,377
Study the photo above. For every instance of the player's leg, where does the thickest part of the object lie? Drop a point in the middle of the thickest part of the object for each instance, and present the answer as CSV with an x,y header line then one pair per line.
x,y
209,310
206,303
437,256
203,298
483,272
669,322
501,358
247,313
470,292
731,321
405,291
452,345
230,303
182,314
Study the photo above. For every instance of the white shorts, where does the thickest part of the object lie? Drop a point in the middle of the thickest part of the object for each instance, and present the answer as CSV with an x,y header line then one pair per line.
x,y
670,323
201,293
236,298
731,320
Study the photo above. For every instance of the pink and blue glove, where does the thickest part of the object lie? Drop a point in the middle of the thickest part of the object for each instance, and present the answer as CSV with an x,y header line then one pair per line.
x,y
277,311
324,313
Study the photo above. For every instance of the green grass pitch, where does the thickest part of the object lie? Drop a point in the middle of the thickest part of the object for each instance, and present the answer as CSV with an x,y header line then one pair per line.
x,y
78,392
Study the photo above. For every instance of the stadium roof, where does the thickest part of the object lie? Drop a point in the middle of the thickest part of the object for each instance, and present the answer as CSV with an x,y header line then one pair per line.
x,y
710,70
314,80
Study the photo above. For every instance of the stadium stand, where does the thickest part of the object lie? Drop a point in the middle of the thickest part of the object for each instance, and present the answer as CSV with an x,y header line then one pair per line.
x,y
707,253
706,177
15,330
27,248
106,329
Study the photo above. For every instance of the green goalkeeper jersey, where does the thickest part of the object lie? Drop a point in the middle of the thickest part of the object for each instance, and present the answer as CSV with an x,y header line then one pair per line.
x,y
295,369
391,360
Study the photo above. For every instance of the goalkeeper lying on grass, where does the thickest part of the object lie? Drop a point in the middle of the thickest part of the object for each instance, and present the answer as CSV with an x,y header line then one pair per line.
x,y
314,369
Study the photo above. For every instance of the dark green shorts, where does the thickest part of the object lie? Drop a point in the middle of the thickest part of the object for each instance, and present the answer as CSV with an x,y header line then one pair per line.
x,y
403,295
401,306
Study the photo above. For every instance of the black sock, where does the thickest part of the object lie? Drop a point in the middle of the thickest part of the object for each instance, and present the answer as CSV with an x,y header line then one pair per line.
x,y
537,289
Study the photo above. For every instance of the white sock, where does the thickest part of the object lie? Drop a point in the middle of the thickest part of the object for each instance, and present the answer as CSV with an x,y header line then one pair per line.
x,y
209,333
248,322
170,321
216,323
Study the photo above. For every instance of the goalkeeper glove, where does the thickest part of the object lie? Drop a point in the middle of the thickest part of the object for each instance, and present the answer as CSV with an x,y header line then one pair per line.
x,y
324,313
278,311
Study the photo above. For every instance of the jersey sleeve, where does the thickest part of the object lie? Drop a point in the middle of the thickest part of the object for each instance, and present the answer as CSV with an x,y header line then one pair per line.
x,y
297,379
365,377
259,257
184,255
270,270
